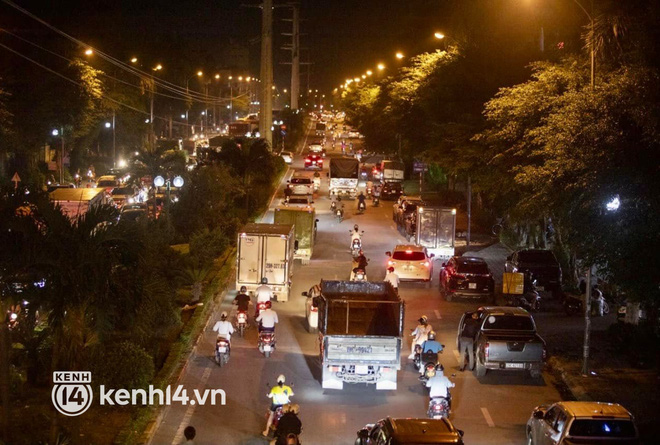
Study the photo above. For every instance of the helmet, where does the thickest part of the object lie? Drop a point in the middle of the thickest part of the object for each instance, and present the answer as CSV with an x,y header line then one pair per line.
x,y
439,367
432,335
243,289
390,269
356,228
361,252
423,319
268,304
281,378
223,316
264,280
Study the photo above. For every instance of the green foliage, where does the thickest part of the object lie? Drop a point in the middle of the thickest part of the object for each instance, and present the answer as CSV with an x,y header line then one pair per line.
x,y
123,365
207,245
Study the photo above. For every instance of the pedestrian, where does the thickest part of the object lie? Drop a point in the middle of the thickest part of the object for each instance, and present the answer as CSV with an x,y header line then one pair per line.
x,y
189,433
597,301
392,278
466,341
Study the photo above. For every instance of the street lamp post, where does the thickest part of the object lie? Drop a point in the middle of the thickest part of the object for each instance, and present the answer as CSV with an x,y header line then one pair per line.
x,y
60,133
590,16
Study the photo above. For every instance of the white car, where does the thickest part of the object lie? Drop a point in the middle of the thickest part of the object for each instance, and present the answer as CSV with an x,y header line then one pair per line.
x,y
301,184
287,156
411,263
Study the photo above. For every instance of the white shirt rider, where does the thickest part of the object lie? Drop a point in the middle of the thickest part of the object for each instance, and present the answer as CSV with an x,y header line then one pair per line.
x,y
439,385
224,329
268,318
393,278
264,293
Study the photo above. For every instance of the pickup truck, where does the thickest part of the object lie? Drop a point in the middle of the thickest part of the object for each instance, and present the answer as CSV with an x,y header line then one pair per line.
x,y
502,338
542,264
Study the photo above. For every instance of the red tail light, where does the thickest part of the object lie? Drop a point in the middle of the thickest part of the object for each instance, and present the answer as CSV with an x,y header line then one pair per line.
x,y
486,349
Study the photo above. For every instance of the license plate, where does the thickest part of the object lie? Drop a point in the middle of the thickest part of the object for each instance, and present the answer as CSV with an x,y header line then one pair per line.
x,y
222,349
362,369
267,347
472,285
515,365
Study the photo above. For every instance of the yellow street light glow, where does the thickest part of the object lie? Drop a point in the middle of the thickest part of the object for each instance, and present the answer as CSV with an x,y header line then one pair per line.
x,y
364,77
399,55
134,60
200,74
285,90
217,76
439,35
158,67
357,79
247,79
273,87
240,78
89,52
231,77
309,91
369,72
381,67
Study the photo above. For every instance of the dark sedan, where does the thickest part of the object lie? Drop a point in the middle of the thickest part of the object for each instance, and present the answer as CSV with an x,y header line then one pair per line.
x,y
466,277
391,191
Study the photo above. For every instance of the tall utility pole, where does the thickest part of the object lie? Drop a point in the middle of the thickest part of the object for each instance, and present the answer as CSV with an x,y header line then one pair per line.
x,y
266,103
295,57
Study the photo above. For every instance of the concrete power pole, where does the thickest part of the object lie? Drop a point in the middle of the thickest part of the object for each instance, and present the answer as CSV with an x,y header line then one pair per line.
x,y
266,104
295,58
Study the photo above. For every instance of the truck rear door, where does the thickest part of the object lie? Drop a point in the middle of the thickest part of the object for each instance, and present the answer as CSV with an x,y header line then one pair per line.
x,y
427,227
362,350
275,259
249,259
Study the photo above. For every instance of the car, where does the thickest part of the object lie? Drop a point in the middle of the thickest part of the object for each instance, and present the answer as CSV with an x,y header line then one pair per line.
x,y
405,208
301,184
317,148
409,431
53,187
287,156
391,190
122,195
108,182
567,423
133,215
134,206
541,263
466,277
314,160
411,263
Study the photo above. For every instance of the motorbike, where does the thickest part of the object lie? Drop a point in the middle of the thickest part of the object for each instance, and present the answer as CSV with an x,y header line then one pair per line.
x,y
359,275
530,299
439,408
241,321
361,207
339,213
261,306
574,305
356,246
276,419
376,201
222,347
292,439
333,206
266,342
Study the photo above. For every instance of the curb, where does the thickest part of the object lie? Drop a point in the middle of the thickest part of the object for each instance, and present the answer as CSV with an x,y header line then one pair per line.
x,y
572,383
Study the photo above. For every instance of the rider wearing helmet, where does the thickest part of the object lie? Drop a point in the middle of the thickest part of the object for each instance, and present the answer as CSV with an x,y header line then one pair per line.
x,y
280,395
420,333
264,293
223,327
355,234
267,319
439,384
288,424
430,349
242,300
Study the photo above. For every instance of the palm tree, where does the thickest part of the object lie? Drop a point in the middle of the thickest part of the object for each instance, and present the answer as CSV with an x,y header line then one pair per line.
x,y
159,160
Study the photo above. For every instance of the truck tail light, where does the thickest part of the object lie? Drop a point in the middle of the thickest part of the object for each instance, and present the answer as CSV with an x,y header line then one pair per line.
x,y
486,348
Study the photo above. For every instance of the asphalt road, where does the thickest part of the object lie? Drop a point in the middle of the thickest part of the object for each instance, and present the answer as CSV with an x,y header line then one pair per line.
x,y
491,410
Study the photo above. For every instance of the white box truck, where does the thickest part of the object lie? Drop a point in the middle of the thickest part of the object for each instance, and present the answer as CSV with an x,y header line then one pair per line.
x,y
265,250
76,202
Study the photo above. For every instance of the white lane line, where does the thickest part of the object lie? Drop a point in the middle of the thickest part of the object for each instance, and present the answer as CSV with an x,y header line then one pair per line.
x,y
457,355
437,314
489,420
178,437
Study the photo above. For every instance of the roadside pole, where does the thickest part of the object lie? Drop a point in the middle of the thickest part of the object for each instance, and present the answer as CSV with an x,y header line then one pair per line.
x,y
587,326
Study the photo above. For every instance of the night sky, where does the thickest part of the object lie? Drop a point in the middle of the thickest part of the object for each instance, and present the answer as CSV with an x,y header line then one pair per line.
x,y
344,37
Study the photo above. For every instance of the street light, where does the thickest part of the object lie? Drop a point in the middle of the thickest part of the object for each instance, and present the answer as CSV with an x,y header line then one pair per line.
x,y
399,56
381,67
439,35
89,52
613,205
369,72
134,60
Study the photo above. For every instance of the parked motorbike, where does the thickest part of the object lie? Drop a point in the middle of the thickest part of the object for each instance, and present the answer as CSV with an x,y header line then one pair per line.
x,y
530,299
241,321
266,342
222,348
574,305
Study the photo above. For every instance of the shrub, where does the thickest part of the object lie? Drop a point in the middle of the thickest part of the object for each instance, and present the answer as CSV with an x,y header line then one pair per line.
x,y
123,365
206,245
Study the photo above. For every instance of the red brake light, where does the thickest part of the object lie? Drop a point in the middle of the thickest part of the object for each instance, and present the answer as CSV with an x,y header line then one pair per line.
x,y
486,348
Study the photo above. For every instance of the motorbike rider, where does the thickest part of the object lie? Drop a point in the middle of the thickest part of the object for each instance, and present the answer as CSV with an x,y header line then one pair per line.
x,y
362,200
420,334
359,262
224,328
289,423
267,319
439,384
431,346
597,301
264,293
280,395
392,278
355,235
242,300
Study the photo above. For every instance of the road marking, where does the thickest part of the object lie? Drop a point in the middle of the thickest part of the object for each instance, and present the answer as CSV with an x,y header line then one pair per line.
x,y
457,355
178,437
437,314
489,420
